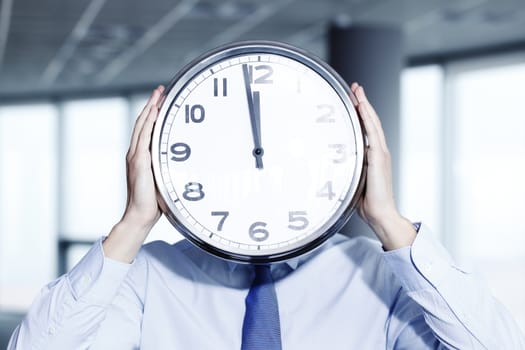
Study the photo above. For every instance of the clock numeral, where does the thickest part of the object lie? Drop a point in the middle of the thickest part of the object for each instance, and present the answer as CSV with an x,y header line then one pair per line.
x,y
327,114
258,232
216,87
193,191
340,152
195,113
224,215
298,219
180,151
264,78
326,191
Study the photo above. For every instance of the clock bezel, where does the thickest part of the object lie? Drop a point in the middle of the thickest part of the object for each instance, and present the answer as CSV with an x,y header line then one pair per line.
x,y
203,62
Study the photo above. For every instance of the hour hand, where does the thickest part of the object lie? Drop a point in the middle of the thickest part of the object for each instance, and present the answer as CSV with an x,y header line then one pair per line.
x,y
254,107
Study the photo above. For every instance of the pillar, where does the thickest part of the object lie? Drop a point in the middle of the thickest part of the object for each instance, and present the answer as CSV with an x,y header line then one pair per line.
x,y
372,56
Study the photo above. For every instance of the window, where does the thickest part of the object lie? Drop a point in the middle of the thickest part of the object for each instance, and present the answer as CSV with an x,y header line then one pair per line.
x,y
488,172
62,186
28,202
93,179
421,133
463,165
489,160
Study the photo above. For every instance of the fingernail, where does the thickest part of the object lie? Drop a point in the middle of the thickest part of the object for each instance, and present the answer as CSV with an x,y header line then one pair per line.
x,y
360,94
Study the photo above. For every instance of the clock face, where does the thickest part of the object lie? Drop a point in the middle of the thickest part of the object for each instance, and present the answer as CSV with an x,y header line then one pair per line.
x,y
257,152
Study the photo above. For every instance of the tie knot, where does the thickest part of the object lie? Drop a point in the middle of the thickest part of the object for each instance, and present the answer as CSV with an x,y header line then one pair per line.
x,y
263,275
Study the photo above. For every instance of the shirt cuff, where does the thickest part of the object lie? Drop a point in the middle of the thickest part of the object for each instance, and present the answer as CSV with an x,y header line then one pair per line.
x,y
423,265
96,279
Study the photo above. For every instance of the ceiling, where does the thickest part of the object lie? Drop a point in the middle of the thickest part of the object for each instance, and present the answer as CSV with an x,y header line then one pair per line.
x,y
100,45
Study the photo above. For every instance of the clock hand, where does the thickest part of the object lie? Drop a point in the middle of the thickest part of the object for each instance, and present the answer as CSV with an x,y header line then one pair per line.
x,y
254,107
258,151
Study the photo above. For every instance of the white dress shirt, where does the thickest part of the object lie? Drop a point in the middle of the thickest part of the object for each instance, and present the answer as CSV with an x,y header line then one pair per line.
x,y
349,294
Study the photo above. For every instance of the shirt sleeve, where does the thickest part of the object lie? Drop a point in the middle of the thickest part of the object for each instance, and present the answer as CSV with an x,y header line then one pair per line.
x,y
68,312
459,310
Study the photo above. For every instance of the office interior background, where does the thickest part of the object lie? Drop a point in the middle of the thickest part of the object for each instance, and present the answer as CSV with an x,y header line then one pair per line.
x,y
75,74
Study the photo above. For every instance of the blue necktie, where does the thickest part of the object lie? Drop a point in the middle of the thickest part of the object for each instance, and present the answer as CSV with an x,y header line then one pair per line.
x,y
261,329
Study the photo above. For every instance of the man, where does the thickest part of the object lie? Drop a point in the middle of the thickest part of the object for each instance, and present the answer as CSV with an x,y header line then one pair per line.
x,y
402,292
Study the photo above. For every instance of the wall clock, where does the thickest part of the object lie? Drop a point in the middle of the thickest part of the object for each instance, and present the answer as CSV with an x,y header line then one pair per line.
x,y
258,152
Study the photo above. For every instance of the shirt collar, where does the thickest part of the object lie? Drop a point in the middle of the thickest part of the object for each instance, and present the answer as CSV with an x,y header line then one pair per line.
x,y
240,275
293,263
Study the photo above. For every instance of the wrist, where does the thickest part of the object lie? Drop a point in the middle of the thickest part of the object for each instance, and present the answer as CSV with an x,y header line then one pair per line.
x,y
394,231
139,221
125,239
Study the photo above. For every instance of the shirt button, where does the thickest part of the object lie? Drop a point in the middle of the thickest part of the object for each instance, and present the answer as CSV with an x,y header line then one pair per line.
x,y
51,330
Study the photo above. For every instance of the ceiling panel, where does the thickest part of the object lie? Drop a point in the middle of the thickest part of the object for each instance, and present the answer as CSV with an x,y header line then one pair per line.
x,y
55,45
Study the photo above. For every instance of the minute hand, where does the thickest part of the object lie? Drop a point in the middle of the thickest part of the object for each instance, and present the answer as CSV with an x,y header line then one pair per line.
x,y
254,107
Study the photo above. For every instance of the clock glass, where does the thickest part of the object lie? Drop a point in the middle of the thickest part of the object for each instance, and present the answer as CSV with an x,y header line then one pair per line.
x,y
258,152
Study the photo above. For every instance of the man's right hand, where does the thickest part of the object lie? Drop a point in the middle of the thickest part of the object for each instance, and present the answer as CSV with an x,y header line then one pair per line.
x,y
142,209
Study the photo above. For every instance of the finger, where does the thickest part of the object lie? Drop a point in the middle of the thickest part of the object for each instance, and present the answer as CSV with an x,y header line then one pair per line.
x,y
376,121
154,97
370,128
353,88
152,101
366,118
362,114
372,121
162,97
144,140
139,123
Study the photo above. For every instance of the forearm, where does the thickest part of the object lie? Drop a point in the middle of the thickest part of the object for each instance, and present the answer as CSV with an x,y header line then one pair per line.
x,y
68,312
142,210
457,307
57,321
394,231
125,240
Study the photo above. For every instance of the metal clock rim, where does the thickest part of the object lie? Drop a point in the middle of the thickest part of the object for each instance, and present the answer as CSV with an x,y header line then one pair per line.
x,y
198,65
